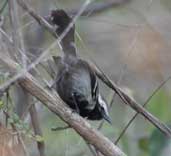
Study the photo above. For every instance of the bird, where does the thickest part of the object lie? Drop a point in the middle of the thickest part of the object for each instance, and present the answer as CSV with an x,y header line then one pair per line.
x,y
76,82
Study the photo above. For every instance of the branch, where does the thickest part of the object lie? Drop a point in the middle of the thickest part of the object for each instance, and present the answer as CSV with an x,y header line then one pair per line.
x,y
136,114
3,6
58,107
14,25
95,7
19,135
37,129
133,104
38,18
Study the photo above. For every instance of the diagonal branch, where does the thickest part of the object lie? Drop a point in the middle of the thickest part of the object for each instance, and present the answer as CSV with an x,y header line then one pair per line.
x,y
96,7
136,114
133,104
38,18
58,107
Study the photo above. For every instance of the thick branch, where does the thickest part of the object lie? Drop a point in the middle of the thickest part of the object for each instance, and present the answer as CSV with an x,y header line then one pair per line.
x,y
56,105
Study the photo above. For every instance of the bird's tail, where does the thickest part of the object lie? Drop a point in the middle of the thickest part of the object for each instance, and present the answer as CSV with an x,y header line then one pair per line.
x,y
65,29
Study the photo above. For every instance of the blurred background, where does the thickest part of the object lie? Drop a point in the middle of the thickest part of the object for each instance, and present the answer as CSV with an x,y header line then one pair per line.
x,y
130,41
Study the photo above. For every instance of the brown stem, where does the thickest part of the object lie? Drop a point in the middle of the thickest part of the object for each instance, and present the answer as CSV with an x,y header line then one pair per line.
x,y
133,104
37,129
136,114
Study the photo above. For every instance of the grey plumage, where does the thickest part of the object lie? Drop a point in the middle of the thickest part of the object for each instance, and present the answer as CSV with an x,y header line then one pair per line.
x,y
74,79
76,82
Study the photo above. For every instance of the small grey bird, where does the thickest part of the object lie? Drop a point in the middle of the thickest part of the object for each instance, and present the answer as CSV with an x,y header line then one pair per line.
x,y
76,82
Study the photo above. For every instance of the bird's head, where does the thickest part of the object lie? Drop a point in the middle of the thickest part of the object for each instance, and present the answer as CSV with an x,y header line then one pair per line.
x,y
60,20
103,109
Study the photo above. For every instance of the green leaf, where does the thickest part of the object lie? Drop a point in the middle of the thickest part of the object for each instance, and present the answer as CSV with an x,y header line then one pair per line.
x,y
160,106
144,143
10,120
16,118
157,143
39,138
1,104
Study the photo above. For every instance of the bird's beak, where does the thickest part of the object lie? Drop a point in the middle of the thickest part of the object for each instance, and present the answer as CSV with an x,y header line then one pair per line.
x,y
107,118
104,111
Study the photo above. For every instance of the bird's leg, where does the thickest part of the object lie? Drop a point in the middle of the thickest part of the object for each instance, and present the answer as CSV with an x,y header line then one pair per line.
x,y
75,103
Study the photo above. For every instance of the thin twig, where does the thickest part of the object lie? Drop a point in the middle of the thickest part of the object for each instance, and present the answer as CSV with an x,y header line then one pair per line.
x,y
25,112
131,102
7,107
3,6
17,44
38,18
121,74
37,129
96,7
60,128
10,42
41,21
18,134
136,114
14,25
91,149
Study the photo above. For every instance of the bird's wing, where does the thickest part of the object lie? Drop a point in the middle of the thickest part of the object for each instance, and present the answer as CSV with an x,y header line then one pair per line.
x,y
88,77
93,79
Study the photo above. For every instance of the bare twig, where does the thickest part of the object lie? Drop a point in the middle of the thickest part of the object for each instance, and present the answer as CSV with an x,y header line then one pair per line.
x,y
3,6
95,7
38,18
41,21
10,42
25,112
136,114
37,129
7,108
113,97
17,42
32,110
91,148
132,46
14,25
60,128
18,134
132,103
56,105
